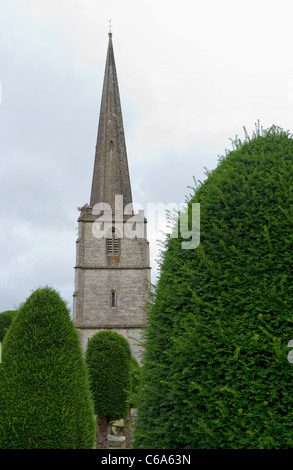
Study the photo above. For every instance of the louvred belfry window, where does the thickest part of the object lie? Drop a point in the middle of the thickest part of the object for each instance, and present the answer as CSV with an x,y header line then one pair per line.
x,y
116,246
113,245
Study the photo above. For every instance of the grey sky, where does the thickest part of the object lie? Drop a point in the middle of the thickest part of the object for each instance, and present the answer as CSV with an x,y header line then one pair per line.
x,y
191,75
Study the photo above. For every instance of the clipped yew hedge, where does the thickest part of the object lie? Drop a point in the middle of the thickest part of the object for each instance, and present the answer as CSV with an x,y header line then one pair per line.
x,y
108,360
6,319
135,380
216,372
45,397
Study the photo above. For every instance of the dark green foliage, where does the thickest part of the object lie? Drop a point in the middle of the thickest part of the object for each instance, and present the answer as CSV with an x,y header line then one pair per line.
x,y
6,319
45,397
135,379
216,373
108,360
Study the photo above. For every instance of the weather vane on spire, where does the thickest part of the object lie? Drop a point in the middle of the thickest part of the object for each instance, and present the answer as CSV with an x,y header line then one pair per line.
x,y
110,26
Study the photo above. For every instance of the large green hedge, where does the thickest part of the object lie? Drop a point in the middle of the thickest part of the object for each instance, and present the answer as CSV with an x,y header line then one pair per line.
x,y
6,319
45,397
216,373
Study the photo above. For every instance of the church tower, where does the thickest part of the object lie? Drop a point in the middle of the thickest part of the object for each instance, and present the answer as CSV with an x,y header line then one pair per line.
x,y
112,271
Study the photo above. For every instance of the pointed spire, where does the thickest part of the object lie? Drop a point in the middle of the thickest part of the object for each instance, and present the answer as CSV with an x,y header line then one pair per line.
x,y
111,173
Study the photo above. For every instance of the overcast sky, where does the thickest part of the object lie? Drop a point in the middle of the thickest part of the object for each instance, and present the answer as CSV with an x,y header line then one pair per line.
x,y
191,75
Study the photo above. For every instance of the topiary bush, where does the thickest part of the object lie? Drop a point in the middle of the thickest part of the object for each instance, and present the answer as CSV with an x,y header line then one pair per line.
x,y
108,359
45,397
6,319
216,373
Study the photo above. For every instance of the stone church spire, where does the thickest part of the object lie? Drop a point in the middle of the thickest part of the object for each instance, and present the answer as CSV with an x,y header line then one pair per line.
x,y
112,272
111,173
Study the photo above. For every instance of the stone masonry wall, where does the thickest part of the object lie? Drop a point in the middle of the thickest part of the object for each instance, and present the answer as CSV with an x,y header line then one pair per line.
x,y
98,275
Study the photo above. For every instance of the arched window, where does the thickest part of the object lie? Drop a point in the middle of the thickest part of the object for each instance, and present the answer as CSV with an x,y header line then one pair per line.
x,y
113,299
113,244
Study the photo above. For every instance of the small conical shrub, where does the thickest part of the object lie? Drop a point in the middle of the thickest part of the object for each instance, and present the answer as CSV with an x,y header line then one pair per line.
x,y
45,397
108,358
